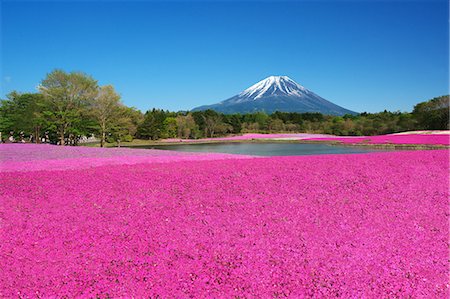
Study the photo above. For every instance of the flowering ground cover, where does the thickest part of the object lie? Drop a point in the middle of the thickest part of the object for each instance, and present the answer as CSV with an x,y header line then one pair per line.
x,y
32,157
424,137
365,225
253,136
432,139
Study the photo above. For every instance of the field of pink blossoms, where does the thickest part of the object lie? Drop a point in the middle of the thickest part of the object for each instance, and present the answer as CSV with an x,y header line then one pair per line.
x,y
404,138
32,157
432,139
154,225
252,136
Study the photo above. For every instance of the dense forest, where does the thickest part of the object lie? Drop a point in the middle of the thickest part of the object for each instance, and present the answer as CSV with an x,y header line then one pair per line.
x,y
69,107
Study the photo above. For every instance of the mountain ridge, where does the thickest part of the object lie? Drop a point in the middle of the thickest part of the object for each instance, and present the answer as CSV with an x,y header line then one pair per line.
x,y
276,93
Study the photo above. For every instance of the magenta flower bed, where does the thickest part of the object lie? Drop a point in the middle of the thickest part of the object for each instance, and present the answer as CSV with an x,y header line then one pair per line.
x,y
33,152
434,139
251,136
32,157
366,225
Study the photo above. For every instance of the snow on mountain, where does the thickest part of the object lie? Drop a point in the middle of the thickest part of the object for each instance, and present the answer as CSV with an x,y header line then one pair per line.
x,y
276,93
274,85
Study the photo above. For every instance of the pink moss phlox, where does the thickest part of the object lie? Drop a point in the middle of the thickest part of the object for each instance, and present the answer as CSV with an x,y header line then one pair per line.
x,y
32,157
432,139
354,226
252,136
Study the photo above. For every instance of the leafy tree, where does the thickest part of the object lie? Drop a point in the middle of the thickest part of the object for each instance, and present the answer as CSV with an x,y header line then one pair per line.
x,y
213,123
152,126
68,96
199,118
406,122
292,127
262,119
433,114
170,125
250,127
135,117
186,126
125,125
234,120
106,110
22,112
276,125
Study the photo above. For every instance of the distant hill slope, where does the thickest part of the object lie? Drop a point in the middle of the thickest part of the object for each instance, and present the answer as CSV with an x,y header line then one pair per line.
x,y
276,93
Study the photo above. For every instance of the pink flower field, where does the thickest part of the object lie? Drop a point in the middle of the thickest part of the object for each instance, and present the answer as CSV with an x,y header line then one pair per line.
x,y
432,139
32,157
360,226
252,136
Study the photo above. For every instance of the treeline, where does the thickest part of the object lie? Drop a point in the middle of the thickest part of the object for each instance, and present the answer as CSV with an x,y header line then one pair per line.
x,y
68,107
71,106
157,124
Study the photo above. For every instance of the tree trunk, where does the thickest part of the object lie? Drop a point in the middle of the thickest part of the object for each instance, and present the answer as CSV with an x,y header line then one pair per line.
x,y
61,138
61,135
102,141
37,138
103,127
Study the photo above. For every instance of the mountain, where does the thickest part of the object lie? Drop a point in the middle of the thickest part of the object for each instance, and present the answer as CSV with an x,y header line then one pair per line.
x,y
276,93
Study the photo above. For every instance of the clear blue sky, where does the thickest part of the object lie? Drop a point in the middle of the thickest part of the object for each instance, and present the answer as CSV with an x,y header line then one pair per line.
x,y
363,55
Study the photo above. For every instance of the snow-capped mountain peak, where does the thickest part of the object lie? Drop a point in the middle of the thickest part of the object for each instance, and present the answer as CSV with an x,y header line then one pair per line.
x,y
276,93
274,86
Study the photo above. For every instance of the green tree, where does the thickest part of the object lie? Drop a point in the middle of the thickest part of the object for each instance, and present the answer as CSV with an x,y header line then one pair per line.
x,y
135,117
275,125
186,126
262,119
170,125
22,112
152,126
106,110
68,96
213,123
125,125
433,114
235,121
